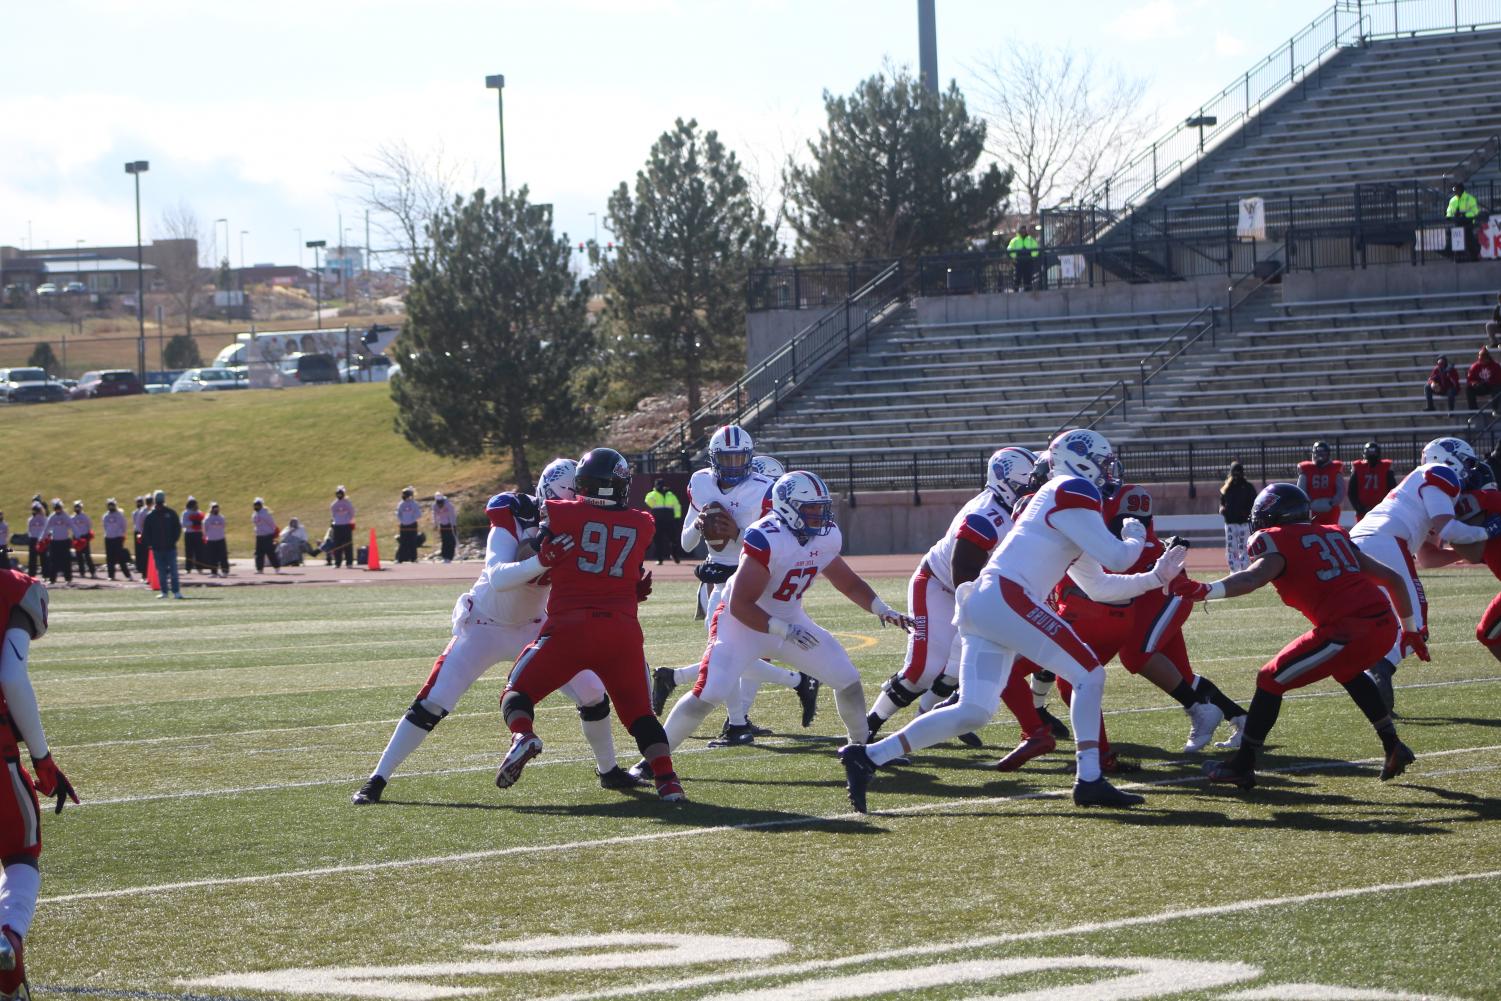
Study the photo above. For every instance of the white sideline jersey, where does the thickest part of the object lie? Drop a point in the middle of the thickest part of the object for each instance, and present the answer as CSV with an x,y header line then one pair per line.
x,y
1407,512
983,520
1061,522
793,565
747,502
518,605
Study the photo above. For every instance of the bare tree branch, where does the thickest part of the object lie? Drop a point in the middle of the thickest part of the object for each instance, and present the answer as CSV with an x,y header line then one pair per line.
x,y
1064,123
403,188
180,267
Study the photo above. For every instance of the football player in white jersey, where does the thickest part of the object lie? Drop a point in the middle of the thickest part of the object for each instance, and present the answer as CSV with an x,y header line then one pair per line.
x,y
494,621
955,559
723,501
1420,510
1004,614
762,613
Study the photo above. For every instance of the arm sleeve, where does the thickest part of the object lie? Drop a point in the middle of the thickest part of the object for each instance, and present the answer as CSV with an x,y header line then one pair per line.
x,y
505,576
1110,587
500,546
689,538
1457,532
1086,529
20,698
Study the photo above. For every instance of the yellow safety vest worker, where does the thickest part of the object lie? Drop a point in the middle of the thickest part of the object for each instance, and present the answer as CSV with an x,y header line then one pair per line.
x,y
657,499
1463,204
1022,244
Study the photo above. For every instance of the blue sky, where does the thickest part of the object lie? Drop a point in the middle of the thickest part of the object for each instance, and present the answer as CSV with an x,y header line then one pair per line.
x,y
254,111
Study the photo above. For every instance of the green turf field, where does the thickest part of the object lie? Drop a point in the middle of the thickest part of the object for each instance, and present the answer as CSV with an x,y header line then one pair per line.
x,y
216,743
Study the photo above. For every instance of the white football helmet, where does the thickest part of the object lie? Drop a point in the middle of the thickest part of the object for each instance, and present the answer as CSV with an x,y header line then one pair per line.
x,y
1085,454
803,503
1452,452
1009,471
557,480
768,467
730,453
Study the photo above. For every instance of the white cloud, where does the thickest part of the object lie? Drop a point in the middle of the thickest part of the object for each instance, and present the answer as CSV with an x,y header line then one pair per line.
x,y
1226,44
1151,21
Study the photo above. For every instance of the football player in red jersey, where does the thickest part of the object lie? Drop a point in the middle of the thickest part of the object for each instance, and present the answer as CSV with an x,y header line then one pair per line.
x,y
1371,479
23,609
594,547
1318,571
1321,478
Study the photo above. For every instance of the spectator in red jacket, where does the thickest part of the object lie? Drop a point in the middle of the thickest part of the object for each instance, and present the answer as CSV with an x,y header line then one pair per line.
x,y
1442,381
1484,378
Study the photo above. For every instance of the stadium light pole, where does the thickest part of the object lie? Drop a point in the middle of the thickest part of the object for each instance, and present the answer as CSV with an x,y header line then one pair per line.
x,y
225,259
136,168
497,82
1199,122
315,246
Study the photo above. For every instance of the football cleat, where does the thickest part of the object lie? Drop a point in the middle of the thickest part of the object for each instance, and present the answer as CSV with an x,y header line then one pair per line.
x,y
1237,734
971,739
13,966
858,769
1397,760
670,790
370,792
807,693
734,735
757,731
1226,772
1029,748
662,684
618,778
641,770
524,747
1058,728
1101,793
1204,718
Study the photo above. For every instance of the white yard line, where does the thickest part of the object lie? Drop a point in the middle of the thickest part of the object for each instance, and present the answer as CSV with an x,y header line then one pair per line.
x,y
391,720
1008,938
627,839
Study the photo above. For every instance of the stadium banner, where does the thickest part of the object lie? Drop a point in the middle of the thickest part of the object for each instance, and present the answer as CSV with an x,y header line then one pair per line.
x,y
1252,222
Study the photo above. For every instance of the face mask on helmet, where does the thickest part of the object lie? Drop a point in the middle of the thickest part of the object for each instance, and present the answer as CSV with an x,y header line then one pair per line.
x,y
801,500
1319,454
1280,504
1480,477
1115,477
1009,473
1372,452
1082,453
730,454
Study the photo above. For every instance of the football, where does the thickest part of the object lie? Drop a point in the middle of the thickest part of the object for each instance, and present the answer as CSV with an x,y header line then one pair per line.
x,y
719,529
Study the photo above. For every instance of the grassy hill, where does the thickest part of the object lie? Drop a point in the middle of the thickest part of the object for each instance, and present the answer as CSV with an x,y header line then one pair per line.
x,y
291,447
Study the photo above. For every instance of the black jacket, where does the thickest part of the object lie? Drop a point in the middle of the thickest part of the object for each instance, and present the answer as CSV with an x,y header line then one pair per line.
x,y
1236,498
161,528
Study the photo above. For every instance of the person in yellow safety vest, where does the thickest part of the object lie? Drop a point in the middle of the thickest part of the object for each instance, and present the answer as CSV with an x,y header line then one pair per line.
x,y
1463,209
1023,249
667,511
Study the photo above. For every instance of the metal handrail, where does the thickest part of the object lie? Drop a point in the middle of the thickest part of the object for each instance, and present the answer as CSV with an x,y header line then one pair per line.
x,y
1231,304
1141,365
1472,162
820,341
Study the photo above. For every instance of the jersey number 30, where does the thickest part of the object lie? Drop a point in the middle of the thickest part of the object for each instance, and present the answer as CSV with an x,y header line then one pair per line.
x,y
595,542
1334,550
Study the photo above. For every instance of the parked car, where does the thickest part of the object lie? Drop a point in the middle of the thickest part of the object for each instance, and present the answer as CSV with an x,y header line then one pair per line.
x,y
309,369
203,380
75,288
46,289
29,385
161,381
109,382
376,369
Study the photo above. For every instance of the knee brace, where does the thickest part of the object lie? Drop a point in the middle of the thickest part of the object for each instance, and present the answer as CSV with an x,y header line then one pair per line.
x,y
514,704
598,711
945,686
897,691
424,718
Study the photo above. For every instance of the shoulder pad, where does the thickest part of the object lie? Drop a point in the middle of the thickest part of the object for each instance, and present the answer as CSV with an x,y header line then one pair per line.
x,y
1262,543
1439,475
1075,492
979,530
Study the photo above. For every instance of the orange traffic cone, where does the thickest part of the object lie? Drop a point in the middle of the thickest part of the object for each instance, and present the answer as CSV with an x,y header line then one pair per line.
x,y
372,556
152,580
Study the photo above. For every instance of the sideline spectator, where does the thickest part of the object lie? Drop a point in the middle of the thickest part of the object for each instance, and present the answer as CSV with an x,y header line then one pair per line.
x,y
113,526
408,514
1442,381
264,524
36,549
1024,250
83,536
1371,478
341,514
163,529
59,535
1319,477
192,537
294,546
1463,209
666,510
446,521
1236,497
1483,379
136,518
215,546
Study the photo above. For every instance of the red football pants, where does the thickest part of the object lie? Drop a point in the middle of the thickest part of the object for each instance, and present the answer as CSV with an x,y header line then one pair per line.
x,y
1339,650
608,643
